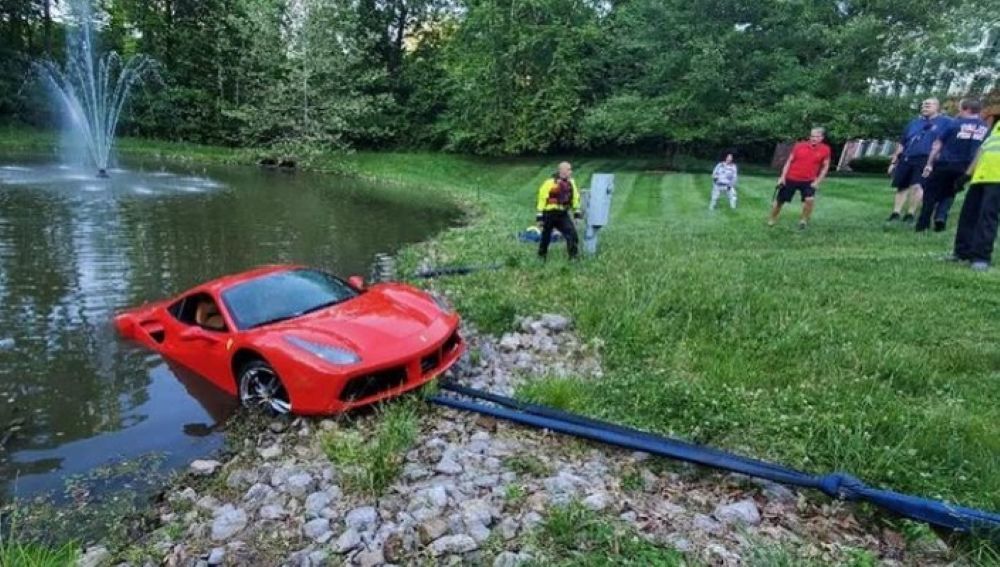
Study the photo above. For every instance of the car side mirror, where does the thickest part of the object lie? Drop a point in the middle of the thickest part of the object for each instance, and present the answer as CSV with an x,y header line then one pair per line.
x,y
357,282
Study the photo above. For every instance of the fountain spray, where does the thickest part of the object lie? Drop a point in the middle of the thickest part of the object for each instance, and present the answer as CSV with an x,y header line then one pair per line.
x,y
91,90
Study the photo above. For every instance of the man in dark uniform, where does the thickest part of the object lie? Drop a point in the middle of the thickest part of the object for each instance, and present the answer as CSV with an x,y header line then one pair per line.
x,y
907,167
950,156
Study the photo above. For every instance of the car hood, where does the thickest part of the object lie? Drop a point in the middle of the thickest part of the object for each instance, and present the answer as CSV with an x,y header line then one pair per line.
x,y
371,321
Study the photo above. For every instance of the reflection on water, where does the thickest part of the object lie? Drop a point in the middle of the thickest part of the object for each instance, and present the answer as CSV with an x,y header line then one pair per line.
x,y
75,249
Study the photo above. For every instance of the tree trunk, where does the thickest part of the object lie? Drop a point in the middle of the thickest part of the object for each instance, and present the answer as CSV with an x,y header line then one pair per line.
x,y
47,22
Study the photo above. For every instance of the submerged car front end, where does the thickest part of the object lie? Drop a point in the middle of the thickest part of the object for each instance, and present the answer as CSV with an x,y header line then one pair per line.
x,y
388,341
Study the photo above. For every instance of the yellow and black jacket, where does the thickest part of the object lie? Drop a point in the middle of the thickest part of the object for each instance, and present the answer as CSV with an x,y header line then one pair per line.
x,y
557,194
988,166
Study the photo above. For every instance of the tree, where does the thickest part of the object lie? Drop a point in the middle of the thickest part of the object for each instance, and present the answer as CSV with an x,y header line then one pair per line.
x,y
518,74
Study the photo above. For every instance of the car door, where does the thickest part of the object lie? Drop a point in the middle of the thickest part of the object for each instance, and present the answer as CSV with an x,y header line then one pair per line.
x,y
199,348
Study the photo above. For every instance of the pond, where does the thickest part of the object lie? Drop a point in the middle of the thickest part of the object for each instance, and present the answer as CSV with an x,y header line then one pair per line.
x,y
74,250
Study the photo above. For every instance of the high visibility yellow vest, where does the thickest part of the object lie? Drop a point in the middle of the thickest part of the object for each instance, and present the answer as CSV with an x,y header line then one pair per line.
x,y
988,168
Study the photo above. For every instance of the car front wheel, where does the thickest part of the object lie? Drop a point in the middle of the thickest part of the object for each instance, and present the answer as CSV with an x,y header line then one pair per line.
x,y
261,389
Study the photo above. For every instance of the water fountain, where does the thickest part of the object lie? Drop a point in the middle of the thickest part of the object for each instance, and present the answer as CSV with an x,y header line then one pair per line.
x,y
92,90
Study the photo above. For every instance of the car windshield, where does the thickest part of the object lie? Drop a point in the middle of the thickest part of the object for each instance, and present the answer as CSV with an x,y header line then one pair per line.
x,y
282,296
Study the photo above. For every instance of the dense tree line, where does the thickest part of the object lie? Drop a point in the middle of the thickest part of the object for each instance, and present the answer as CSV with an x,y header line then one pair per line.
x,y
503,76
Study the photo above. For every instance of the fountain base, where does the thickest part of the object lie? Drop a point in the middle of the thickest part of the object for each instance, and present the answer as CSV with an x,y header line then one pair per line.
x,y
102,174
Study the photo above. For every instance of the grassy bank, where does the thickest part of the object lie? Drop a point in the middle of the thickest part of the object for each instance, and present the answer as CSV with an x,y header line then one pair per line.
x,y
845,347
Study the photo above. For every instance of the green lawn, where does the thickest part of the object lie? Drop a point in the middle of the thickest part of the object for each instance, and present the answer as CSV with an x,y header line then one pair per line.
x,y
844,347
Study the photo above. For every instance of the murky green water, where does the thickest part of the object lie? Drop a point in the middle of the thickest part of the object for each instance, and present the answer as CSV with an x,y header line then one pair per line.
x,y
74,250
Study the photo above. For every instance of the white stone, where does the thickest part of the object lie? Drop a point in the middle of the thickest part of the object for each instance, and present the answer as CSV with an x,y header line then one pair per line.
x,y
744,512
557,323
268,453
204,467
477,511
361,519
316,502
436,496
94,557
347,541
706,524
300,484
511,559
596,502
478,532
447,465
217,556
453,544
272,512
229,521
432,529
316,529
258,495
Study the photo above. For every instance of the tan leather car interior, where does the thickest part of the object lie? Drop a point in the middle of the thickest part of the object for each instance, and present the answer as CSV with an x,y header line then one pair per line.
x,y
207,315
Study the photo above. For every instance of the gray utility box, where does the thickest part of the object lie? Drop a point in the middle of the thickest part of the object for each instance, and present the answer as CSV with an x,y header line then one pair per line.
x,y
598,203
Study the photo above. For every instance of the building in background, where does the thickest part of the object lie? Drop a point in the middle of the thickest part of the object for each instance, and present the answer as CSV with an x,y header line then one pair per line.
x,y
980,79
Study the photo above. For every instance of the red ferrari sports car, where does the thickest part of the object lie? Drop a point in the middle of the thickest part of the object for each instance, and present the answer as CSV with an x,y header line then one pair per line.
x,y
294,339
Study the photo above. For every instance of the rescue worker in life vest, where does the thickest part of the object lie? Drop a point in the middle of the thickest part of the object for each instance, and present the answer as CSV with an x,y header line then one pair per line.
x,y
558,198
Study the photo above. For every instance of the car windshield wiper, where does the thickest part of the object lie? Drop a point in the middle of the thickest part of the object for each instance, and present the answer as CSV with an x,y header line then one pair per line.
x,y
300,313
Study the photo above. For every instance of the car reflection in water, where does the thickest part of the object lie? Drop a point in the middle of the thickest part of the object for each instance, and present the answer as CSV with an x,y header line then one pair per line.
x,y
218,405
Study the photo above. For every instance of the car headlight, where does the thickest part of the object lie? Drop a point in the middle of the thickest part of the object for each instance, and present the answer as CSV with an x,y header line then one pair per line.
x,y
331,354
442,304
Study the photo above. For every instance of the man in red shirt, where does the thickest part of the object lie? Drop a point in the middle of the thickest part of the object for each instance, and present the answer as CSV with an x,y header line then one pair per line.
x,y
803,172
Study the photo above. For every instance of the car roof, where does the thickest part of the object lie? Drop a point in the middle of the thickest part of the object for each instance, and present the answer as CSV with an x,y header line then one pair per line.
x,y
219,285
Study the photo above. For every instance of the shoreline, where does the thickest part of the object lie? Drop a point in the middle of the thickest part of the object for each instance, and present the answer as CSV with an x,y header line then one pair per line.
x,y
487,220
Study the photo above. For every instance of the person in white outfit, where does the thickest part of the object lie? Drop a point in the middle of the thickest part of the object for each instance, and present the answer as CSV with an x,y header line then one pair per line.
x,y
724,181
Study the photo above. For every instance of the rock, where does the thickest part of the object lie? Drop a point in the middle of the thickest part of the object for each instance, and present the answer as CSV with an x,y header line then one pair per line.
x,y
640,456
531,520
511,559
555,323
208,503
217,556
447,465
477,511
317,558
316,529
315,503
94,557
453,544
706,524
187,494
204,467
268,453
240,478
229,521
361,519
278,426
258,495
413,471
272,512
478,532
510,342
432,529
629,517
596,502
370,558
775,492
436,496
508,528
300,484
347,541
744,512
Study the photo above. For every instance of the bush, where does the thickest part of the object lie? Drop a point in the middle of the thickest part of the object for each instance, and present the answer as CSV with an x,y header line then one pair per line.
x,y
870,164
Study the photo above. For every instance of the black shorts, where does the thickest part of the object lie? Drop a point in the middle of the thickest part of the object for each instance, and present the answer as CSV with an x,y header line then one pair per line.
x,y
909,172
787,191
